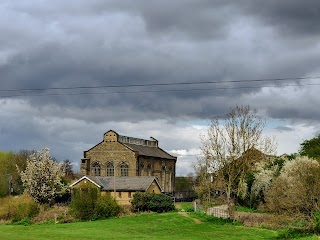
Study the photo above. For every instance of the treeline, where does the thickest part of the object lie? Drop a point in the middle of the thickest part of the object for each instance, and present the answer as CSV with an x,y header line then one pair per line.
x,y
11,162
239,167
10,181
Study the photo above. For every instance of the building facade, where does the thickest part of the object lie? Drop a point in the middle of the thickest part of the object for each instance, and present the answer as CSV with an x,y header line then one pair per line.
x,y
123,156
121,189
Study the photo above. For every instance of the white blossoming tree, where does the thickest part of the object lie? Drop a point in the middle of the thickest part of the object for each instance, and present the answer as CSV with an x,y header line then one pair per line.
x,y
42,177
297,188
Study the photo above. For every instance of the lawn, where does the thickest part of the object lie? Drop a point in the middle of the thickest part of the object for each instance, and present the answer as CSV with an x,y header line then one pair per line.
x,y
145,226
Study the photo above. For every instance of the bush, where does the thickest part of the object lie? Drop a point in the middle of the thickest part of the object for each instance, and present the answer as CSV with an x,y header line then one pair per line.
x,y
83,203
297,189
88,204
107,207
152,202
18,208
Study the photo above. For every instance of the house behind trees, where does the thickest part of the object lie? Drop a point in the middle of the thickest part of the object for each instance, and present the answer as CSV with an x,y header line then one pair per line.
x,y
122,156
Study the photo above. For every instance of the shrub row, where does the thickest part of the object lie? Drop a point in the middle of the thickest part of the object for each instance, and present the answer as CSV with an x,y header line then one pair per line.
x,y
152,202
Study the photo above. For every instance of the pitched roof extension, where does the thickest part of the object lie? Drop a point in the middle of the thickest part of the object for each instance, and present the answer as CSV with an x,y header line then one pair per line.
x,y
134,184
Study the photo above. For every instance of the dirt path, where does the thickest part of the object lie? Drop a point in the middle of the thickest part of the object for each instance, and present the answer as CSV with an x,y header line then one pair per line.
x,y
196,221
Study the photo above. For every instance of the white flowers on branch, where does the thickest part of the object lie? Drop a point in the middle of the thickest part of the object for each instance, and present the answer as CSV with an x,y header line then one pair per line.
x,y
42,177
297,188
263,177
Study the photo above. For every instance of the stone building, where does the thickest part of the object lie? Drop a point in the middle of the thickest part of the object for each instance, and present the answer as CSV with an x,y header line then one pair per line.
x,y
120,188
124,156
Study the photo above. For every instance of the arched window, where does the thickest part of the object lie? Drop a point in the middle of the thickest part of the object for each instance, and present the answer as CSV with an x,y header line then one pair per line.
x,y
124,169
96,169
170,179
141,169
110,169
163,178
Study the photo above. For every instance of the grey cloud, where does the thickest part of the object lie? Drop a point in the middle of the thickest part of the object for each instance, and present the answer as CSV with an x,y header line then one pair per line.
x,y
290,17
118,43
47,44
284,129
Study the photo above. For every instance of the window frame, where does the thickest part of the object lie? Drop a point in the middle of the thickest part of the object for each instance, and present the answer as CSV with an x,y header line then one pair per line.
x,y
110,169
124,169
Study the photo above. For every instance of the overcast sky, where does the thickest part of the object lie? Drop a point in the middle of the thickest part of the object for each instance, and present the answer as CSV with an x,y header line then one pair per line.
x,y
46,46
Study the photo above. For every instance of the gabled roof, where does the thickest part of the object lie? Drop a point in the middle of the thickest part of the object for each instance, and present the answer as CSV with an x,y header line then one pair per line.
x,y
142,147
134,184
85,178
149,151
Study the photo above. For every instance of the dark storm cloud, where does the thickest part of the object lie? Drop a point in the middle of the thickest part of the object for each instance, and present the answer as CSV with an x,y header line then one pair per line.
x,y
54,44
81,43
289,16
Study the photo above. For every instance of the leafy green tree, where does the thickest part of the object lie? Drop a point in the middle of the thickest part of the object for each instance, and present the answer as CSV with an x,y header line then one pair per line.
x,y
83,202
87,204
311,148
184,184
10,182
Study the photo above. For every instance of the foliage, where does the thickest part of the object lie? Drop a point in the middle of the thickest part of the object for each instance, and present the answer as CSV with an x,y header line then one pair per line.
x,y
230,149
316,219
9,174
66,167
42,177
245,209
25,221
311,148
297,188
83,202
145,201
262,181
183,183
107,207
18,208
204,184
87,204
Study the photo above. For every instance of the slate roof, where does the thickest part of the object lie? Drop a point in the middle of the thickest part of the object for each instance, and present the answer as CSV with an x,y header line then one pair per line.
x,y
134,184
149,151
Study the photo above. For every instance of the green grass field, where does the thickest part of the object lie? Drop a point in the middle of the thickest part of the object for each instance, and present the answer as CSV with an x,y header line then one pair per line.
x,y
145,226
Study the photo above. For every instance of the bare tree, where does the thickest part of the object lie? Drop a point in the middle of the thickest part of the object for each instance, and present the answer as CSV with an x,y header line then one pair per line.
x,y
66,167
231,147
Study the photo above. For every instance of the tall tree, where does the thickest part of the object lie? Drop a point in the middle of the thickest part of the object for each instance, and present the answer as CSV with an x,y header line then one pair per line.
x,y
10,182
231,147
42,177
311,148
66,167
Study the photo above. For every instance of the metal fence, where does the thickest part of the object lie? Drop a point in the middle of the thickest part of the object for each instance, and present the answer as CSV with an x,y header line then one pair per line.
x,y
218,212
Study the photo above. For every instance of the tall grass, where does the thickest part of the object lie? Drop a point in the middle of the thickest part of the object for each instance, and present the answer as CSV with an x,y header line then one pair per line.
x,y
17,208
